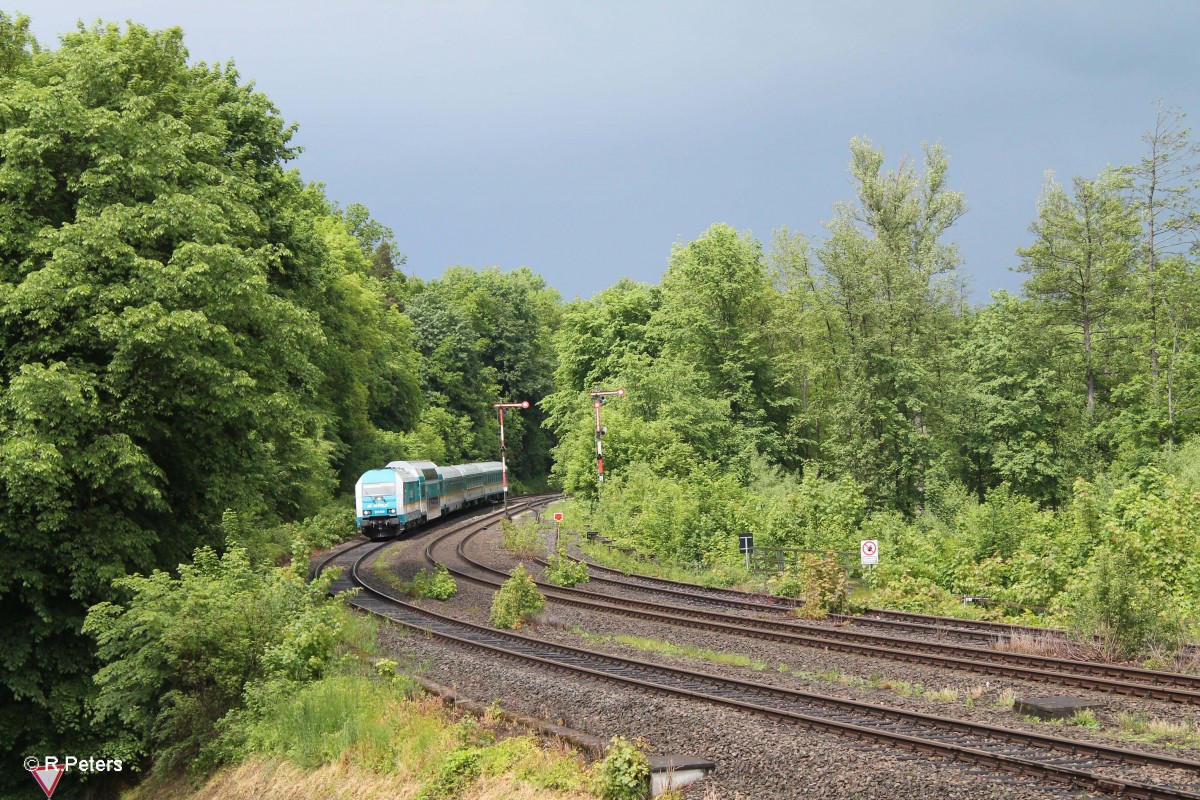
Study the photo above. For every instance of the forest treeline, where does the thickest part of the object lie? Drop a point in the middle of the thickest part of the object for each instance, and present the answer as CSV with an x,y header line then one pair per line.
x,y
188,329
196,343
856,353
1038,450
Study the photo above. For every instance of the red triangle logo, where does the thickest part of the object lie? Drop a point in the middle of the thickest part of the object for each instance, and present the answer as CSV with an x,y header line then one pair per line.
x,y
48,777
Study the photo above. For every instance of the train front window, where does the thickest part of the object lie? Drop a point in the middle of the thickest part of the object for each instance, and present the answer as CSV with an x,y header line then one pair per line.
x,y
378,489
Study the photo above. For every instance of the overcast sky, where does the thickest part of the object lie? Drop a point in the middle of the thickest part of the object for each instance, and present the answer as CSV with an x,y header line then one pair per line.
x,y
582,139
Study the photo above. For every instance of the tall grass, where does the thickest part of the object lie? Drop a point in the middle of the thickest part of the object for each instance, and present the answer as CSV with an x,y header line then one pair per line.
x,y
377,722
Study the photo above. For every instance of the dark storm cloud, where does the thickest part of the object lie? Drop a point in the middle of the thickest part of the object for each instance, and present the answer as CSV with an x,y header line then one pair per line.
x,y
582,139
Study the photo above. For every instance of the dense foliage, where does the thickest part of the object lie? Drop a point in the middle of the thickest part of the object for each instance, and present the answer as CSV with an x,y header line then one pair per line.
x,y
196,346
184,656
516,601
819,392
198,350
624,774
562,570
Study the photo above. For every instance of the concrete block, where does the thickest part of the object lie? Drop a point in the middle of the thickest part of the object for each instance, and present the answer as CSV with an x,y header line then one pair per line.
x,y
674,772
1057,707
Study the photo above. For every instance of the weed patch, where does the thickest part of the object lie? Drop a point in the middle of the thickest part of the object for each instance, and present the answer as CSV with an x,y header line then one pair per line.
x,y
523,538
516,601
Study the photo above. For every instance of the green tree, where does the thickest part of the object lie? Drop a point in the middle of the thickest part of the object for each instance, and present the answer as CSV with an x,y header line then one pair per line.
x,y
487,336
1162,185
715,314
893,284
1162,189
1080,266
1013,417
183,331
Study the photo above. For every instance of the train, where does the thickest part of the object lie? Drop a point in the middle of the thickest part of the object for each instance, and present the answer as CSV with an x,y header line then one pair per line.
x,y
406,494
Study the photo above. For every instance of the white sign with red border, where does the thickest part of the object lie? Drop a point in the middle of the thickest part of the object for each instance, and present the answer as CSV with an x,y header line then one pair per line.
x,y
868,551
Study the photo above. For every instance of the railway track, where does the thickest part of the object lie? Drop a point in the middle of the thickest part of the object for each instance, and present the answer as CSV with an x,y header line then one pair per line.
x,y
973,630
954,627
958,629
1131,681
1118,771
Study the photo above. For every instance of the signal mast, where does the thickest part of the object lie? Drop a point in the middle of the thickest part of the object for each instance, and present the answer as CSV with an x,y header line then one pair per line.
x,y
598,399
501,408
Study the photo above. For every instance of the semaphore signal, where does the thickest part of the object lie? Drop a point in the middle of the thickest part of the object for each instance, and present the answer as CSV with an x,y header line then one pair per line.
x,y
502,407
598,398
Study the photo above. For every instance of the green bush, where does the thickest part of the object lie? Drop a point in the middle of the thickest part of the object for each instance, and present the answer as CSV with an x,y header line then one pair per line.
x,y
1125,613
564,571
907,592
182,657
438,586
516,600
786,584
826,588
459,769
523,538
624,774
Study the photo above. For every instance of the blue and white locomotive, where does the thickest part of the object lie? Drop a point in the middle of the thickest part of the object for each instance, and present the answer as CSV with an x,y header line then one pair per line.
x,y
405,494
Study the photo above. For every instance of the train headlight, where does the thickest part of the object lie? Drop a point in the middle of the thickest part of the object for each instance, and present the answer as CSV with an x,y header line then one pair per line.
x,y
391,511
366,513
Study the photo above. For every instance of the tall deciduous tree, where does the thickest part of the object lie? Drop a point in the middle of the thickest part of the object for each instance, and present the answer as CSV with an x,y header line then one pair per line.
x,y
1013,417
488,336
716,317
1080,264
892,280
174,310
1163,186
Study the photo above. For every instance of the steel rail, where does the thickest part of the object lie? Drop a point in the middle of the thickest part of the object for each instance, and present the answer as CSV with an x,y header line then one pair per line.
x,y
1070,759
878,617
1043,669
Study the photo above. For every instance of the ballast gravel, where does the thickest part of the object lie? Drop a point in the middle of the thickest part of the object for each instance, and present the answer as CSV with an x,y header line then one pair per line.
x,y
756,758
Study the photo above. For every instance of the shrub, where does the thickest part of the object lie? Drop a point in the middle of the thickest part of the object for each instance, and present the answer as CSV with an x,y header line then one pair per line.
x,y
182,655
1126,614
516,600
786,584
460,769
438,586
564,571
826,588
624,774
907,592
523,539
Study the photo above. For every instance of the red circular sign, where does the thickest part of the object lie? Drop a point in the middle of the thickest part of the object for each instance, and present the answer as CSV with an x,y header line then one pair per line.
x,y
869,547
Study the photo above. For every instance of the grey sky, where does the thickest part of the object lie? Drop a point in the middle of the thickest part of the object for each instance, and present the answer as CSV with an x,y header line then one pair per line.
x,y
583,138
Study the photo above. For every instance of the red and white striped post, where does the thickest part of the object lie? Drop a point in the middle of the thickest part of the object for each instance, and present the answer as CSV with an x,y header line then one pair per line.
x,y
501,408
598,398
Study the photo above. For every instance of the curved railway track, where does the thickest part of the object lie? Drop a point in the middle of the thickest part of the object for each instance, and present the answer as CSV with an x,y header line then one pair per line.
x,y
955,627
1132,681
975,630
1119,771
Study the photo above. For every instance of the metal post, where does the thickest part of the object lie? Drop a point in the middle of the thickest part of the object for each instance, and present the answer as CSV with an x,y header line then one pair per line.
x,y
598,398
503,463
501,408
599,449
